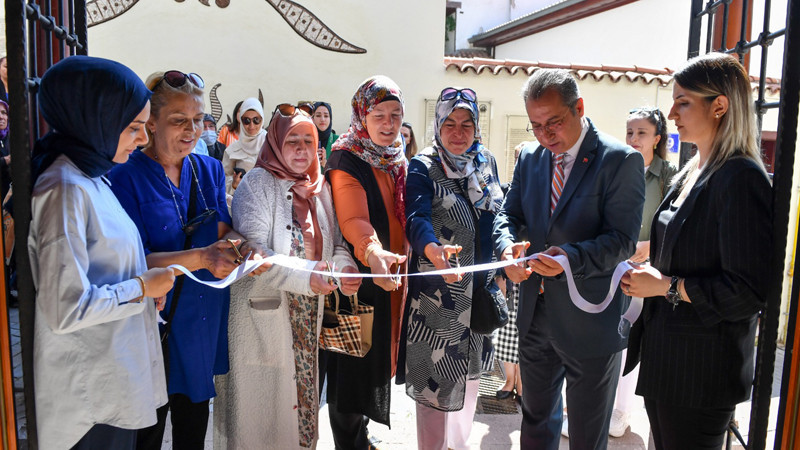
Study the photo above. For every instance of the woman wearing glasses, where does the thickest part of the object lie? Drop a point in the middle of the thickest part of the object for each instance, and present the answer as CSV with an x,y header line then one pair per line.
x,y
452,189
647,133
177,200
710,246
241,156
97,360
367,172
284,208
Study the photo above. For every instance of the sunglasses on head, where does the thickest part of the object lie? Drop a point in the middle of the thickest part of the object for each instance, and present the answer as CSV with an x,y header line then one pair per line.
x,y
177,79
193,225
465,93
247,120
287,109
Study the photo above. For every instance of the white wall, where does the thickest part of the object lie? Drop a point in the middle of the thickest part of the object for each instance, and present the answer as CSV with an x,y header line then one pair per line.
x,y
248,46
648,33
477,16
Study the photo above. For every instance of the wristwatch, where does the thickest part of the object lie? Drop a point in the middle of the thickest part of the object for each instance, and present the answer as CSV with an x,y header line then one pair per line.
x,y
673,294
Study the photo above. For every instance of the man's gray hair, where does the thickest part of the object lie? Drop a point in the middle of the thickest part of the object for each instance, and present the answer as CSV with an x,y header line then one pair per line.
x,y
558,80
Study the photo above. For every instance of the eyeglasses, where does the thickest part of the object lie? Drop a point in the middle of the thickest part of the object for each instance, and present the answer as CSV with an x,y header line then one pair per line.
x,y
465,93
193,225
177,79
550,128
288,109
247,120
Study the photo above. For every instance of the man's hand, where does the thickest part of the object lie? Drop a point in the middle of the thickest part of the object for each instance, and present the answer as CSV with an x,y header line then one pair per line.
x,y
546,267
516,272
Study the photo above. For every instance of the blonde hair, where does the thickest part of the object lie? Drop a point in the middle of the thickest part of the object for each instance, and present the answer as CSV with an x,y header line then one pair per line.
x,y
710,76
163,93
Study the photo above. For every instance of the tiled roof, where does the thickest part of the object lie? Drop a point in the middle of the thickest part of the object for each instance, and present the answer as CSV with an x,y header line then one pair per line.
x,y
581,71
477,52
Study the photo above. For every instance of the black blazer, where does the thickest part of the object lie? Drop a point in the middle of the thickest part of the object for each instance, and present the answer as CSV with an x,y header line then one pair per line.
x,y
596,223
700,354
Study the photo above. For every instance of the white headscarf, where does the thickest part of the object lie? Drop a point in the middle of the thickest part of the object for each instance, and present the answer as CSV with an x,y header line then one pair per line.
x,y
247,145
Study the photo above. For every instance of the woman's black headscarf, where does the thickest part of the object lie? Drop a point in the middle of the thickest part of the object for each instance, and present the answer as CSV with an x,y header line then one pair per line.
x,y
326,134
87,102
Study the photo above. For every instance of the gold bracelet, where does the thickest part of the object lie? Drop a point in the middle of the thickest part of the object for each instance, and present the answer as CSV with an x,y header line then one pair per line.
x,y
143,285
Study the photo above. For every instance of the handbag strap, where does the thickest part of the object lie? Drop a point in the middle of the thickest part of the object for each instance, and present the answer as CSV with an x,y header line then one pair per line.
x,y
187,244
353,302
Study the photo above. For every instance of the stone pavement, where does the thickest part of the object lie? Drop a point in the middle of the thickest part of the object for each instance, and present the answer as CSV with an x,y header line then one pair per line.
x,y
496,424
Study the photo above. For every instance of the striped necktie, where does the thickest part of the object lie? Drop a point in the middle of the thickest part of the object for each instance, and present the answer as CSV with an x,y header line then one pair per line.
x,y
558,181
555,190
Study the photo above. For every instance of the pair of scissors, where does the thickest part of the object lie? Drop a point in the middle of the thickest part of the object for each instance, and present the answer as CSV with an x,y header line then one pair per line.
x,y
239,258
331,278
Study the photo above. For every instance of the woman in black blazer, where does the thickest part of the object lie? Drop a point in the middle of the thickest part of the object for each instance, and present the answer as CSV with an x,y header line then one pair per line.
x,y
711,242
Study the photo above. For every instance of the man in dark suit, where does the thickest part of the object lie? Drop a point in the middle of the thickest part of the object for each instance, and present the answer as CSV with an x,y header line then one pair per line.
x,y
580,194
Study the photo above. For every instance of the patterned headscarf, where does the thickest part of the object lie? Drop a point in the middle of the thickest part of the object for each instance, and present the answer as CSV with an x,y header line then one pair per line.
x,y
306,185
471,164
4,131
390,159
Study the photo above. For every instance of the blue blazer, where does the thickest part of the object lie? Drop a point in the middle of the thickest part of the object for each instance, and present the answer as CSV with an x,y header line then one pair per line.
x,y
596,222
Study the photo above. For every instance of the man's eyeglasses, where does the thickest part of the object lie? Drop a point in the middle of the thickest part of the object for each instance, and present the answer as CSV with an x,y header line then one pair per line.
x,y
193,225
177,79
255,120
550,128
465,93
288,109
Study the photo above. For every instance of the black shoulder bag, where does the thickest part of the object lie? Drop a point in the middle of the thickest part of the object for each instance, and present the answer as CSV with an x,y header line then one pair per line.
x,y
489,306
176,291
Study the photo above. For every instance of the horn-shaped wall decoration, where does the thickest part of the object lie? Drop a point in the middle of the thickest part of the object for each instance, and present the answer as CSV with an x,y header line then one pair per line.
x,y
303,22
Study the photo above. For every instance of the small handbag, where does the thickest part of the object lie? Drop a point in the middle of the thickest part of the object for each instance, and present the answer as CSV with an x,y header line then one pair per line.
x,y
352,332
489,307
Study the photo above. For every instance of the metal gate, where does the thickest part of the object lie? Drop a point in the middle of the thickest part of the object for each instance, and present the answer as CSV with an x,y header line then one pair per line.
x,y
39,33
728,25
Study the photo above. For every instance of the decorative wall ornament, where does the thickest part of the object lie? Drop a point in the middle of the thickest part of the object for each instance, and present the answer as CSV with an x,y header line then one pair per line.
x,y
303,22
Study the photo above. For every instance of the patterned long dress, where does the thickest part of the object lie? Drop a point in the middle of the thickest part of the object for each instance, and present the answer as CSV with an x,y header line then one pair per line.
x,y
442,353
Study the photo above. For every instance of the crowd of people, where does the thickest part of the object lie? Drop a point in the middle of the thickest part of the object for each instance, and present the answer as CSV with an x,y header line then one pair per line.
x,y
143,179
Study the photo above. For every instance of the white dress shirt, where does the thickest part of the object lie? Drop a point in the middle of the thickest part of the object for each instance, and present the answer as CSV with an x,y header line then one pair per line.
x,y
97,357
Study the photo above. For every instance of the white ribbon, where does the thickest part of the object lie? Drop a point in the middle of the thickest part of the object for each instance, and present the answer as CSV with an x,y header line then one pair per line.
x,y
625,321
630,315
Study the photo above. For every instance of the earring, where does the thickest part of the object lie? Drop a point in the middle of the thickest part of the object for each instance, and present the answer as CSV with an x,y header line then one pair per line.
x,y
717,115
655,146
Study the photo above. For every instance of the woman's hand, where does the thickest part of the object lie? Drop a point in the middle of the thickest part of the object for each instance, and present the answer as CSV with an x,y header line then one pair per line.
x,y
642,252
645,281
380,263
158,282
258,253
219,258
439,256
320,284
237,177
348,285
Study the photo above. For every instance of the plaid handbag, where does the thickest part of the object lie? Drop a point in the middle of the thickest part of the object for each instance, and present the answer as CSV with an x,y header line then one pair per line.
x,y
351,333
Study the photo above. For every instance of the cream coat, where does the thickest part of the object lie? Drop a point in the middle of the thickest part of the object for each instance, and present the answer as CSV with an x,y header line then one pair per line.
x,y
255,404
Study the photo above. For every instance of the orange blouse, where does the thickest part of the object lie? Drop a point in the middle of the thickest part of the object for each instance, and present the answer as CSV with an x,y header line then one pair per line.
x,y
226,136
353,216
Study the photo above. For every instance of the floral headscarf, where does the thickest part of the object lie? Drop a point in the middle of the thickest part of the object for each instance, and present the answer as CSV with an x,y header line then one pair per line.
x,y
472,164
390,159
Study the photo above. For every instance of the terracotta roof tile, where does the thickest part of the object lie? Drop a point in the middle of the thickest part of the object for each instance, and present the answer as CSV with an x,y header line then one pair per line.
x,y
633,73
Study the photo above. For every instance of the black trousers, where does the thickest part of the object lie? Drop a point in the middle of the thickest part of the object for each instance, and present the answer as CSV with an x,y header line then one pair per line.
x,y
677,427
189,423
349,430
102,437
591,385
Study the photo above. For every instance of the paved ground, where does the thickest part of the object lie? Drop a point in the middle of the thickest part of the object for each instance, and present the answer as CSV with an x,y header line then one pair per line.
x,y
496,424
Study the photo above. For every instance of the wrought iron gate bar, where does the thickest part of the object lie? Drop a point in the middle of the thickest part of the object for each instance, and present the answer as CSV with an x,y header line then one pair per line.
x,y
33,12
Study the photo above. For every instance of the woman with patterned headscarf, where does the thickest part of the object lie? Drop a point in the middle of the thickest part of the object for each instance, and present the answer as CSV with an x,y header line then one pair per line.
x,y
367,172
451,185
283,207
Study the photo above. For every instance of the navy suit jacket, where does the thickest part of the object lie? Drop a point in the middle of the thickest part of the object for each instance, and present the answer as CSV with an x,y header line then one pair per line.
x,y
596,222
